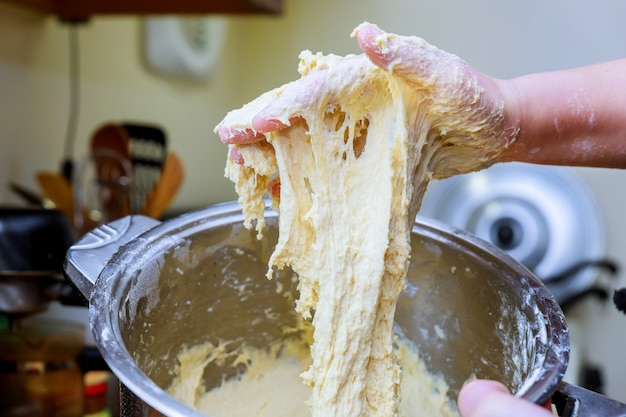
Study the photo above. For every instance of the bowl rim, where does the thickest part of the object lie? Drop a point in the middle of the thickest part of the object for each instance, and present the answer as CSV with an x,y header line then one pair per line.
x,y
104,308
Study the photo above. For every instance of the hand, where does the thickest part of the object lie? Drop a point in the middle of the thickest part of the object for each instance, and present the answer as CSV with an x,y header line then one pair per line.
x,y
482,398
480,127
476,128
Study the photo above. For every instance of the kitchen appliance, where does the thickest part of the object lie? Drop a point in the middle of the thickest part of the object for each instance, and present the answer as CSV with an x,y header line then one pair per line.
x,y
155,288
33,243
187,47
39,370
545,217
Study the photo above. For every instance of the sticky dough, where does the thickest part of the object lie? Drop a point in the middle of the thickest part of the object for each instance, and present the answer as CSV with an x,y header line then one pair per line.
x,y
271,385
353,169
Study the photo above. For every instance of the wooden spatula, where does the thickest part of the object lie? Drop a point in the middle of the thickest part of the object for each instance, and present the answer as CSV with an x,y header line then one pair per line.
x,y
166,188
56,188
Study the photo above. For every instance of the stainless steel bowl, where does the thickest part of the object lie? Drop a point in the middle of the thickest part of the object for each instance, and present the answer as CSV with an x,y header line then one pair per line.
x,y
155,288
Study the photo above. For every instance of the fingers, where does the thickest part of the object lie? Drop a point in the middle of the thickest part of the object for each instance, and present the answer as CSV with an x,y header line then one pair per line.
x,y
477,392
273,111
264,123
482,398
273,189
238,128
239,136
377,49
260,125
236,156
409,57
288,107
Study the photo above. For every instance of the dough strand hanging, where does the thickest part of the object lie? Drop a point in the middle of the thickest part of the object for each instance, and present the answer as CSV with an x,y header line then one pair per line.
x,y
353,166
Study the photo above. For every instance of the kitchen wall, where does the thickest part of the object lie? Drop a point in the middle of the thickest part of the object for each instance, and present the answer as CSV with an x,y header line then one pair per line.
x,y
504,39
115,85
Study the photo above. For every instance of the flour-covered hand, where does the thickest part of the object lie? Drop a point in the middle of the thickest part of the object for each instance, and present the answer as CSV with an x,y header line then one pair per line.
x,y
473,105
470,104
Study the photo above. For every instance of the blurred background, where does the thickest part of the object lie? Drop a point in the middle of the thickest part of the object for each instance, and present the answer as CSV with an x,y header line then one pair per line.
x,y
119,82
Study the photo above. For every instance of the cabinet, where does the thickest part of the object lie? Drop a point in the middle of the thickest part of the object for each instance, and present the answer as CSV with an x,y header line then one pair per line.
x,y
82,10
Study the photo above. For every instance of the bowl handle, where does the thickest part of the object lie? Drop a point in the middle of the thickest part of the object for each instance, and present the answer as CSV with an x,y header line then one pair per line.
x,y
86,259
573,401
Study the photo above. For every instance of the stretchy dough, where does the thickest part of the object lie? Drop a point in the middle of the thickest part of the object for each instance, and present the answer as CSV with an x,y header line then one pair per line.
x,y
353,168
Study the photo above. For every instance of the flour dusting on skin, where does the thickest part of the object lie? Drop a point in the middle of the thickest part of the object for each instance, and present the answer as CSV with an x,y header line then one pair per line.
x,y
580,106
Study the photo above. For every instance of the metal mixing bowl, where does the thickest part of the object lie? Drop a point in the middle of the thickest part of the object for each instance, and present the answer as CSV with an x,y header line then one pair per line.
x,y
156,288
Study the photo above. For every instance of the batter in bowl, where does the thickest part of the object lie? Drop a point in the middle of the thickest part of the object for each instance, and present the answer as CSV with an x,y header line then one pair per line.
x,y
270,386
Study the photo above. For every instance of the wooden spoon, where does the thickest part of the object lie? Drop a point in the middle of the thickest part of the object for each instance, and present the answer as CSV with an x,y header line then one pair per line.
x,y
109,151
57,189
166,188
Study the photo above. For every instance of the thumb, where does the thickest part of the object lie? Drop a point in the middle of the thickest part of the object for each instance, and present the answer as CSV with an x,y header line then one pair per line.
x,y
482,398
374,42
409,57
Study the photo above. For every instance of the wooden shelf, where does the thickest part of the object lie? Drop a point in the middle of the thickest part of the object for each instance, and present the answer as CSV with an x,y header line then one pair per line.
x,y
83,9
